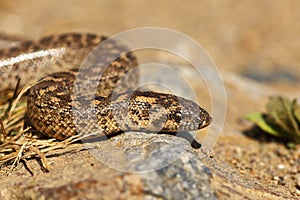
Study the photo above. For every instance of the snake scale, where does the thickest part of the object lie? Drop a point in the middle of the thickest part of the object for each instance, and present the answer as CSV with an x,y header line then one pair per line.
x,y
52,105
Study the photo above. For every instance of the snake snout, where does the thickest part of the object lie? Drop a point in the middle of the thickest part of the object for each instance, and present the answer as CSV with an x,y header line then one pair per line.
x,y
194,117
185,115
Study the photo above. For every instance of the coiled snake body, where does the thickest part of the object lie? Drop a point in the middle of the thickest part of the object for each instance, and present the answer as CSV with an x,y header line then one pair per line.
x,y
54,109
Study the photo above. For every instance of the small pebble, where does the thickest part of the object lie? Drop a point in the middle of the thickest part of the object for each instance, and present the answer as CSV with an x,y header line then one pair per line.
x,y
281,181
275,179
298,183
280,166
294,169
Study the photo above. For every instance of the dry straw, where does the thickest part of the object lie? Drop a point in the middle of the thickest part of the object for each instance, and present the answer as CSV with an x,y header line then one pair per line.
x,y
18,144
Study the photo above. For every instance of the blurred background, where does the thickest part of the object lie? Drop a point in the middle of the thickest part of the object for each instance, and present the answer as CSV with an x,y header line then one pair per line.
x,y
245,36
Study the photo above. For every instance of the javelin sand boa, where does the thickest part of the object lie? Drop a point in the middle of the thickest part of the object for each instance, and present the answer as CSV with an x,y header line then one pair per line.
x,y
64,103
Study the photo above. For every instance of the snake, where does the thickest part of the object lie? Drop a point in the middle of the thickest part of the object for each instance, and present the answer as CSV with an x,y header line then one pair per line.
x,y
67,99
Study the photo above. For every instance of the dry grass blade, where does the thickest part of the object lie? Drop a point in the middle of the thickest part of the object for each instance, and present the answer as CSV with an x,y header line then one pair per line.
x,y
2,131
17,99
19,156
44,161
15,137
14,96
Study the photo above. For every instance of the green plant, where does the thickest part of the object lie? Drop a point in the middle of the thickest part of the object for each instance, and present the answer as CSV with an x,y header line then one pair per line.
x,y
282,119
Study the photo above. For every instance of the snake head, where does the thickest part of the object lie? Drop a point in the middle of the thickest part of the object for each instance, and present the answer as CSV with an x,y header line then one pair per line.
x,y
154,112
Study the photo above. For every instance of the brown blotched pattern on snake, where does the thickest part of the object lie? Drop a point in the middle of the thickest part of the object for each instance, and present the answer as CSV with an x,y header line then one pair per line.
x,y
68,101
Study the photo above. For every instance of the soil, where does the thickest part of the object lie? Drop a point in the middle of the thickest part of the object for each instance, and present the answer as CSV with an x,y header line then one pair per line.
x,y
267,161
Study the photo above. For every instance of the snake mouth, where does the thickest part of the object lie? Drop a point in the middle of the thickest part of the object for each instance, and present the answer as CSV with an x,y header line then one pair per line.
x,y
208,120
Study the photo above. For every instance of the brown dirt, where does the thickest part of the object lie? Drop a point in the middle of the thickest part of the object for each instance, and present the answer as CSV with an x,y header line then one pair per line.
x,y
267,161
